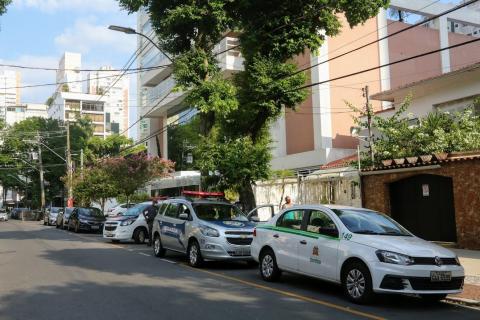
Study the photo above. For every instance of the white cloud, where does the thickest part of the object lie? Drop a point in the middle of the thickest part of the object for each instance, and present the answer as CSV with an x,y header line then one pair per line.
x,y
32,77
86,35
52,6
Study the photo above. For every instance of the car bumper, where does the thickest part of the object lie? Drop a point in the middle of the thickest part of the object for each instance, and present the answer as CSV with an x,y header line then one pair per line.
x,y
220,249
52,221
88,227
415,279
119,233
3,218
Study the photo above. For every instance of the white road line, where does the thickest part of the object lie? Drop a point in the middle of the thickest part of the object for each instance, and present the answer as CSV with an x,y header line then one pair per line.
x,y
169,261
144,254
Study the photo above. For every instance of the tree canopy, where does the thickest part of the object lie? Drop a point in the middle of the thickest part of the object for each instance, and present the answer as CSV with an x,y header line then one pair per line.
x,y
236,112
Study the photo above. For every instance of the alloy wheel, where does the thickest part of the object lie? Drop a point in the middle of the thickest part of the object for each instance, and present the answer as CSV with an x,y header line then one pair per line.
x,y
193,254
267,266
355,283
156,245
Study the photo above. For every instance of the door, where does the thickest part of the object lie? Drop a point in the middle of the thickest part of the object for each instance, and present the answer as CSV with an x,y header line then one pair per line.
x,y
287,237
424,205
168,227
261,213
318,254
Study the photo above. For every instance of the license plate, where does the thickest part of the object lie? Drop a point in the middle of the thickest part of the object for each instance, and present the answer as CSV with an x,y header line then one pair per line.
x,y
95,227
109,234
437,276
242,252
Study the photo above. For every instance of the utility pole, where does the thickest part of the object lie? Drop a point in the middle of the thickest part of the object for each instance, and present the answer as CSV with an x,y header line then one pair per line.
x,y
69,169
369,112
81,162
42,182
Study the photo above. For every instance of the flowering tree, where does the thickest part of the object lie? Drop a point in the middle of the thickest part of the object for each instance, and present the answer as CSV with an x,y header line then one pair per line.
x,y
130,173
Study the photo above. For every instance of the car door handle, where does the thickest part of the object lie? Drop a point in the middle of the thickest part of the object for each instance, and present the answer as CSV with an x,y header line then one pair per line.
x,y
303,242
275,235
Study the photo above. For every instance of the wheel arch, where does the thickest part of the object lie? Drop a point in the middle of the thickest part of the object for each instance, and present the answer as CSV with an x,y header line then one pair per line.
x,y
349,261
140,228
264,248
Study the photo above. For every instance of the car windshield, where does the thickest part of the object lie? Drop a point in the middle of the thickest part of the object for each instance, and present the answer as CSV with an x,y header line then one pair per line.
x,y
91,212
136,210
68,211
55,210
218,212
370,222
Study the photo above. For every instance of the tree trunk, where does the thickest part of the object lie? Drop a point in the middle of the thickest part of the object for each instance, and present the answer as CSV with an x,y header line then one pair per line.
x,y
102,203
247,197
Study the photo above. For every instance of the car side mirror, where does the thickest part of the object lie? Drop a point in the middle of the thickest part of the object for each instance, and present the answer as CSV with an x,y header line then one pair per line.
x,y
254,219
183,216
331,232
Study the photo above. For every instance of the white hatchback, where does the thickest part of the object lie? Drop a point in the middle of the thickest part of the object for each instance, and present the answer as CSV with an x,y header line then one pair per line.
x,y
363,250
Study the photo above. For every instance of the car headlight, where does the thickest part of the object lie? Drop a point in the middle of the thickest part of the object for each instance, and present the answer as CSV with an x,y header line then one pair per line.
x,y
127,222
458,260
209,232
394,258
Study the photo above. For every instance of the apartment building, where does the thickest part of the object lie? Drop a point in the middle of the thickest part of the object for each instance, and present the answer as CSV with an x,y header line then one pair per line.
x,y
115,88
9,91
70,106
21,112
318,132
104,99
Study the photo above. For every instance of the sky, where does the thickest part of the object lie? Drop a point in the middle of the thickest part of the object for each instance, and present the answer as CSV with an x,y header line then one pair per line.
x,y
38,32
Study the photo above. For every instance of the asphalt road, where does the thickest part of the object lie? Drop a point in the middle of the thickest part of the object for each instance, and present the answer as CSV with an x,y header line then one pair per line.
x,y
46,273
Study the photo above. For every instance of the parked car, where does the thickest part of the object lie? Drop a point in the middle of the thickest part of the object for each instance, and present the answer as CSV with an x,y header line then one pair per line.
x,y
203,230
119,209
86,219
364,251
128,225
17,213
62,217
50,216
3,215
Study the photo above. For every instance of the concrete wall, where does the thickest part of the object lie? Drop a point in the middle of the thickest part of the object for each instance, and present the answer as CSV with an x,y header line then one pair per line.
x,y
314,189
466,183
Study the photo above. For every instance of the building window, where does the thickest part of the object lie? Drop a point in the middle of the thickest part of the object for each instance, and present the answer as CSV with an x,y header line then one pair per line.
x,y
92,106
95,117
72,104
98,128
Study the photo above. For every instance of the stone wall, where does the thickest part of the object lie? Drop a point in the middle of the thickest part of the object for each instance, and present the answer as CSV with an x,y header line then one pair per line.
x,y
466,193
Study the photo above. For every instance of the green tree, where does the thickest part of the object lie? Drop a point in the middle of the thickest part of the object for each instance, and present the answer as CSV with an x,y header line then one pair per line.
x,y
236,113
94,185
3,6
111,146
183,139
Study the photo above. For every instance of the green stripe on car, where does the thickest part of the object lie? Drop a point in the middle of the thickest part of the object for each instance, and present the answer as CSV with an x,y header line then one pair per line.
x,y
308,234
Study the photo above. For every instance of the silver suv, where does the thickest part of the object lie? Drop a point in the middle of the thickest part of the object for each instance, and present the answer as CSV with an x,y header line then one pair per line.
x,y
203,230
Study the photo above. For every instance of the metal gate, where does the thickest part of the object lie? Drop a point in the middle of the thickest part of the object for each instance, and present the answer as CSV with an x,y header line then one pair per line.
x,y
424,205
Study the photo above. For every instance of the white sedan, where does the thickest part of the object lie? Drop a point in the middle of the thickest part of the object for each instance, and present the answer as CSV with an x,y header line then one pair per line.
x,y
363,250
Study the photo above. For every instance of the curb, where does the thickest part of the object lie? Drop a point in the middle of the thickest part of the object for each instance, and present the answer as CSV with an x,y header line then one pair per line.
x,y
467,302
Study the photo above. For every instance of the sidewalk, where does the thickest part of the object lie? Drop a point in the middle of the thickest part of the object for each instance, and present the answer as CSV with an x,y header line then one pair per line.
x,y
471,262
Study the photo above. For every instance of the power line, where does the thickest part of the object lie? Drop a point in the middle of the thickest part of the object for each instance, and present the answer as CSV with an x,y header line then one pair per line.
x,y
387,64
385,37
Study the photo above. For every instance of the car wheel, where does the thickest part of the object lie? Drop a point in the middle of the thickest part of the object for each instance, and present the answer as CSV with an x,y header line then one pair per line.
x,y
357,283
139,236
268,266
194,254
158,249
433,298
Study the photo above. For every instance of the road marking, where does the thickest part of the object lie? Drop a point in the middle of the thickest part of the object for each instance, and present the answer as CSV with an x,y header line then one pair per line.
x,y
144,254
169,261
290,294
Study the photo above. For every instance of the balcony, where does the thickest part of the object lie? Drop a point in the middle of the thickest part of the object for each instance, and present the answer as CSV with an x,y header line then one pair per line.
x,y
172,102
153,58
230,61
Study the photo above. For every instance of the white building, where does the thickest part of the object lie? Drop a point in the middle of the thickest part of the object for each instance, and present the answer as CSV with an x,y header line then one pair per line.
x,y
116,93
70,106
9,91
19,113
154,87
69,67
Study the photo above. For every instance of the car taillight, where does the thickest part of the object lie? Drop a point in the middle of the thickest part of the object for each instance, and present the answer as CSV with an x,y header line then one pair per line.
x,y
254,232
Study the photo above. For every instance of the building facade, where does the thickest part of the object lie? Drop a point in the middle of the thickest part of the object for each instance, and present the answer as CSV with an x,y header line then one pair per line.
x,y
21,112
9,90
71,106
69,76
318,132
115,88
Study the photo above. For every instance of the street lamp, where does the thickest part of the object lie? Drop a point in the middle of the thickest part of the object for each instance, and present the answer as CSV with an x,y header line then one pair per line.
x,y
133,31
354,131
